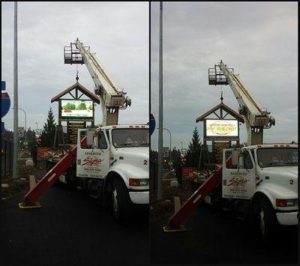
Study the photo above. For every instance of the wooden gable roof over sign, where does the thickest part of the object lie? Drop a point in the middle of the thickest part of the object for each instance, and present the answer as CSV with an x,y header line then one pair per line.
x,y
222,107
77,87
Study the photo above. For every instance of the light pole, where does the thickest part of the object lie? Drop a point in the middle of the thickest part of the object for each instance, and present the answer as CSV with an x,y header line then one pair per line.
x,y
16,133
170,141
24,115
160,106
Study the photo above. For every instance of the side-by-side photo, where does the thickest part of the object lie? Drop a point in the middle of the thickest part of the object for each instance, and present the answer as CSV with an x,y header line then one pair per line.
x,y
148,133
224,153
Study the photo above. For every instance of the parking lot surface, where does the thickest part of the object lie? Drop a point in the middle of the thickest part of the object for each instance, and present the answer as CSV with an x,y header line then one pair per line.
x,y
215,236
70,229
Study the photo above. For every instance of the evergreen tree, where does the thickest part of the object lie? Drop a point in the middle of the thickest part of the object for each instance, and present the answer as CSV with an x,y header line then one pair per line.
x,y
48,134
30,138
193,153
176,156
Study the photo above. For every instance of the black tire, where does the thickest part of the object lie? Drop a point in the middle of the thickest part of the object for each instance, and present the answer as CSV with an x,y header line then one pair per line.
x,y
266,220
121,205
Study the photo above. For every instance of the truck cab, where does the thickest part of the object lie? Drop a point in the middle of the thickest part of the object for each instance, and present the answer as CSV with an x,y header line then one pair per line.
x,y
114,162
266,177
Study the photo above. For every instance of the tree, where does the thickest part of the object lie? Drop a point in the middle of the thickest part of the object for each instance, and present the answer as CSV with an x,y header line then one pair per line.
x,y
193,153
30,138
176,156
81,106
48,134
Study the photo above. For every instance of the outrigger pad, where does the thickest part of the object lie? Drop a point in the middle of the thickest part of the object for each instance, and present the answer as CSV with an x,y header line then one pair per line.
x,y
23,205
168,229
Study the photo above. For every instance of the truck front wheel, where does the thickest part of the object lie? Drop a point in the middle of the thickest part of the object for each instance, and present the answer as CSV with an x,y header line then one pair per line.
x,y
120,201
266,219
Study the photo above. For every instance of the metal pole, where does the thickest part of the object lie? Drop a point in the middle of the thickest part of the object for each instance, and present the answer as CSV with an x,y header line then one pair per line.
x,y
24,115
170,141
160,132
170,144
16,133
4,155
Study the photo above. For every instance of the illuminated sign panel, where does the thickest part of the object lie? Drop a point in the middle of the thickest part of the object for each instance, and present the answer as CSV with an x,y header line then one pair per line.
x,y
72,108
221,128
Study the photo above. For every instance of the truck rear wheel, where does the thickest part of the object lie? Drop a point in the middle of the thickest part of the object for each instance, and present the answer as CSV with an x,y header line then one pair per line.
x,y
266,220
120,201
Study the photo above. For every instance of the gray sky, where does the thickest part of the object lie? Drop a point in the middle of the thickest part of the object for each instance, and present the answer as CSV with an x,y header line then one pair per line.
x,y
117,32
259,40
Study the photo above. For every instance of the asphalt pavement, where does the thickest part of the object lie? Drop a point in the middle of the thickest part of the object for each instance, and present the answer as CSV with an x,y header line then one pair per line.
x,y
214,236
70,229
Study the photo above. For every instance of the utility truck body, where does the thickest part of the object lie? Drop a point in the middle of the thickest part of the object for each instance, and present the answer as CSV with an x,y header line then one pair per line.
x,y
261,182
112,161
113,165
261,179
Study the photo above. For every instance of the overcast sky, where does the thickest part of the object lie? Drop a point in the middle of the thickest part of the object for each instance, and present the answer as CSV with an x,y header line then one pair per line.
x,y
259,40
117,32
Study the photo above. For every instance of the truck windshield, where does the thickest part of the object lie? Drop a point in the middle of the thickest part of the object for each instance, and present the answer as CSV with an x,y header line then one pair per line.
x,y
130,137
270,157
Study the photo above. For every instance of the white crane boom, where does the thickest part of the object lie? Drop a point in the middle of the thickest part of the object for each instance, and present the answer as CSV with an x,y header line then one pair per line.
x,y
256,117
111,98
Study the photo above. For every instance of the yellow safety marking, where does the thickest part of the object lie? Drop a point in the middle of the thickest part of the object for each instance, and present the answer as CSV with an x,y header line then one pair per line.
x,y
23,205
167,229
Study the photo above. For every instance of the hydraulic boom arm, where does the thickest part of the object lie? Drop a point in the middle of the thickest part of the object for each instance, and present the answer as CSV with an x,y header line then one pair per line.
x,y
256,117
111,98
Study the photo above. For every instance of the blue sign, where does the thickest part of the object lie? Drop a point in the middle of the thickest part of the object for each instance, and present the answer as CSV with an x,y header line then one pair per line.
x,y
152,123
5,103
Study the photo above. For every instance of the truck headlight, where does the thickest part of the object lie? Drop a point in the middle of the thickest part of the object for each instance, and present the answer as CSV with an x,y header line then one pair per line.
x,y
135,182
286,202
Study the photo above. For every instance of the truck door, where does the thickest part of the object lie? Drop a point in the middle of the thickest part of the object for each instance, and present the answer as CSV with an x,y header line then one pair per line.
x,y
238,179
93,160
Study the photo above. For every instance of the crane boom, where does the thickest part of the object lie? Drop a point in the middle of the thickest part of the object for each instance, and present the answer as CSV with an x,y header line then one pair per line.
x,y
111,98
256,117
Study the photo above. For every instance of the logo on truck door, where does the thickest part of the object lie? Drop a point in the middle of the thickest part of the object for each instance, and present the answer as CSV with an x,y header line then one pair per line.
x,y
237,181
91,161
